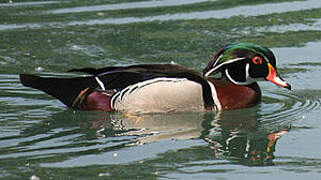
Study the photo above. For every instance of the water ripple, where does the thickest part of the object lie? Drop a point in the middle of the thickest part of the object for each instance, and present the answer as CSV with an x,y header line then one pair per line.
x,y
315,26
250,10
287,107
130,5
28,3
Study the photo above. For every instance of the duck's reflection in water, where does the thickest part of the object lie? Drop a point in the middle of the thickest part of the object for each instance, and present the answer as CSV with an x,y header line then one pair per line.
x,y
240,136
233,135
157,127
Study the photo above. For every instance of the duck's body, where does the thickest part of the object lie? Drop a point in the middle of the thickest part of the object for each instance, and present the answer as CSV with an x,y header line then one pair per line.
x,y
150,92
175,95
157,88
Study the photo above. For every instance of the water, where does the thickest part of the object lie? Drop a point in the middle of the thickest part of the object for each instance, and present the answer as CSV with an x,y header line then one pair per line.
x,y
42,139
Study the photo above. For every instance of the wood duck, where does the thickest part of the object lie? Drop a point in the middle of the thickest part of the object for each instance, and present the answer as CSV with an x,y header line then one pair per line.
x,y
228,82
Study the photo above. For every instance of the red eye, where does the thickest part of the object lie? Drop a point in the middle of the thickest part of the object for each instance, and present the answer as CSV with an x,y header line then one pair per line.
x,y
257,60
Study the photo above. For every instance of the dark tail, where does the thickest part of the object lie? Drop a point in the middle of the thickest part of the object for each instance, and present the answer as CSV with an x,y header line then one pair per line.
x,y
64,89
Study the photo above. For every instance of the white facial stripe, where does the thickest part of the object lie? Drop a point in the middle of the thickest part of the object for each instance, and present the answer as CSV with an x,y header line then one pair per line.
x,y
217,60
101,84
209,72
264,57
228,62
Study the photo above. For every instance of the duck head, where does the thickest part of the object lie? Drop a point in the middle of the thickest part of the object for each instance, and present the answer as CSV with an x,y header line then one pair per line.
x,y
244,64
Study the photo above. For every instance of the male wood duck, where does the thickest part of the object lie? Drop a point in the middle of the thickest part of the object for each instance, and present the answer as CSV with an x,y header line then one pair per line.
x,y
228,82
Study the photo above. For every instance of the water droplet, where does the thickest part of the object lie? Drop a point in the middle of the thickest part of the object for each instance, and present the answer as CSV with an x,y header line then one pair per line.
x,y
100,14
104,174
76,47
39,69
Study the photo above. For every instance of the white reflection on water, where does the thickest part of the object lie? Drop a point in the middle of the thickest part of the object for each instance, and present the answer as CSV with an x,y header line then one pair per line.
x,y
27,3
126,154
316,26
130,5
250,10
19,26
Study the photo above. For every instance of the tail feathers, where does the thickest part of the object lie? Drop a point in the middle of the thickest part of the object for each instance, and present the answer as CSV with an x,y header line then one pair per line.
x,y
64,89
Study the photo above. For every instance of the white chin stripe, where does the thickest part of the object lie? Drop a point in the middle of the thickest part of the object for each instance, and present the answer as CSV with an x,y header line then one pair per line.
x,y
209,72
249,80
215,97
232,80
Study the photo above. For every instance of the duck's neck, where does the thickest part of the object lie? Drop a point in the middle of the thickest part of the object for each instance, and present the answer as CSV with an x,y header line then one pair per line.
x,y
232,96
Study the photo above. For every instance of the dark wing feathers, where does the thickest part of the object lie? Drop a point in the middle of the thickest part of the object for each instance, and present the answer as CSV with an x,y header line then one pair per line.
x,y
161,68
121,77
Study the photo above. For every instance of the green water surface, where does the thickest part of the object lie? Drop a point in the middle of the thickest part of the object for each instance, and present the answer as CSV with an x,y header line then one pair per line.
x,y
42,139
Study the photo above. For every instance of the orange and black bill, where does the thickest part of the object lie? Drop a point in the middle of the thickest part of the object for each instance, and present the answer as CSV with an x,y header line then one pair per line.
x,y
275,78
